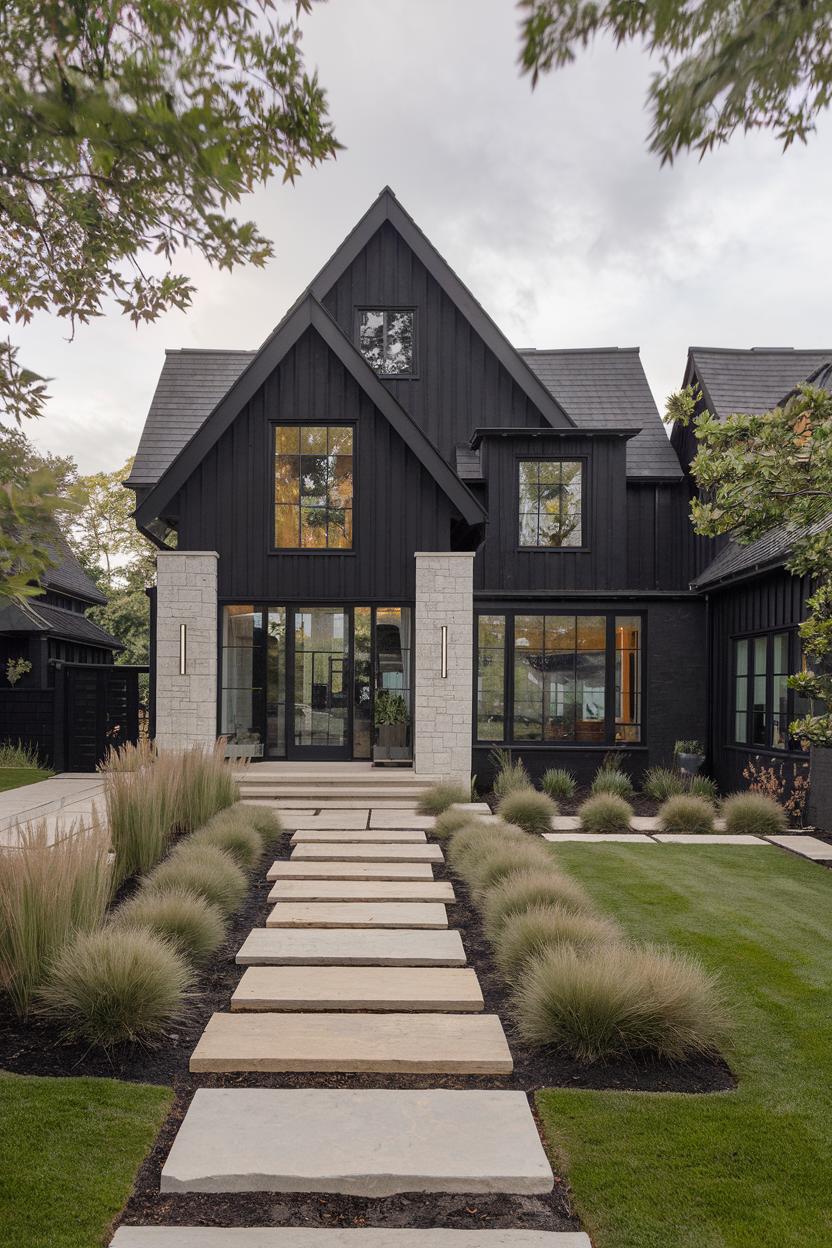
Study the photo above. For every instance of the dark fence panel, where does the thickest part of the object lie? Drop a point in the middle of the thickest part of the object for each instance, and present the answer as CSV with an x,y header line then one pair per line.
x,y
28,716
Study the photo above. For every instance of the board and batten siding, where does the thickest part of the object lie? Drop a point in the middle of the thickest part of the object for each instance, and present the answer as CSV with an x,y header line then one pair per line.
x,y
227,504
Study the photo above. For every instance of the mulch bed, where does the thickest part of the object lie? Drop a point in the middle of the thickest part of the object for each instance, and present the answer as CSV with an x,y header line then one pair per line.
x,y
35,1048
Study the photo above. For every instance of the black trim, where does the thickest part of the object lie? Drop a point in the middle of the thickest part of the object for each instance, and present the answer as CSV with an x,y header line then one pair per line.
x,y
586,477
413,375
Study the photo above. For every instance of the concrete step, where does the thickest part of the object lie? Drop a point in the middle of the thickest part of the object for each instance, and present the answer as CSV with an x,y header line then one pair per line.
x,y
302,793
390,914
441,891
435,988
416,1044
357,836
361,1142
338,1237
266,946
368,853
284,870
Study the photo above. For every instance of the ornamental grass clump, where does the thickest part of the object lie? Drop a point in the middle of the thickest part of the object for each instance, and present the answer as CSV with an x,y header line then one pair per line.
x,y
206,785
558,783
605,812
141,808
201,869
232,831
660,783
537,928
686,814
612,780
531,811
470,842
524,887
510,774
265,822
615,1000
703,786
114,986
440,796
48,892
753,814
450,821
496,862
194,926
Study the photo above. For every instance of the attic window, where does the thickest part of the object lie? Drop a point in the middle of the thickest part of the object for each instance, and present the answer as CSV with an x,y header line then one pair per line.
x,y
385,339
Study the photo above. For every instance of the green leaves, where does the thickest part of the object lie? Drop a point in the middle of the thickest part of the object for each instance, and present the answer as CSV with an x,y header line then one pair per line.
x,y
128,130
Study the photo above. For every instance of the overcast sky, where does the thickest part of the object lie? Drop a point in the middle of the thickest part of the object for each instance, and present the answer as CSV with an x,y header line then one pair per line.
x,y
546,204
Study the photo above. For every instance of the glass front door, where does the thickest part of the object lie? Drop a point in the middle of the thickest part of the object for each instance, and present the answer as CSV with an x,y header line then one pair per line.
x,y
322,686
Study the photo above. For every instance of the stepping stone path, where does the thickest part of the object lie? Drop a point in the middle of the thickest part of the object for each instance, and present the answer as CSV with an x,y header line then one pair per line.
x,y
355,971
807,846
393,914
353,890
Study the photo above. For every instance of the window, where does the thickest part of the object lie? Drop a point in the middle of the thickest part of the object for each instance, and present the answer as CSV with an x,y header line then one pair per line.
x,y
628,678
385,339
550,503
491,674
313,487
242,681
763,703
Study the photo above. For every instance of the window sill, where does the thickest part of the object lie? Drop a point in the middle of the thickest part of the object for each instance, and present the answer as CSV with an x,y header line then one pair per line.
x,y
605,747
310,550
552,550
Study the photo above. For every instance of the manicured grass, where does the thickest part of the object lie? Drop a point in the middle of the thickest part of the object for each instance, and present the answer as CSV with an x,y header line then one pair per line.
x,y
744,1169
69,1151
16,777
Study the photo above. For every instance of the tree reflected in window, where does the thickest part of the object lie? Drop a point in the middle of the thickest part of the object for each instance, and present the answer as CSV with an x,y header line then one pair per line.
x,y
385,339
550,503
313,487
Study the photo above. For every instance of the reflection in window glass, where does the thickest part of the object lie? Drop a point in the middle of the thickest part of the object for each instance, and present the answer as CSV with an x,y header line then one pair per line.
x,y
741,691
362,712
759,726
559,678
385,339
241,699
313,487
780,672
276,682
550,502
491,663
627,678
394,640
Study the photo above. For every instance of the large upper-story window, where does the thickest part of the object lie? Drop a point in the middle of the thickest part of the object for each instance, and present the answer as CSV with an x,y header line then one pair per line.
x,y
313,490
550,503
385,339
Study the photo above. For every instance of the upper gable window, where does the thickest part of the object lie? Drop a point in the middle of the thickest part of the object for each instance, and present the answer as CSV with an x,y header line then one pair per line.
x,y
551,503
385,338
313,487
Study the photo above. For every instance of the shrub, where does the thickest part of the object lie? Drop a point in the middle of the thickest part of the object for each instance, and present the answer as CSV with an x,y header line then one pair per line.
x,y
201,869
510,775
612,780
605,813
558,783
193,925
529,810
470,842
232,831
613,1000
440,796
450,821
531,931
703,786
686,813
47,893
496,863
19,755
753,813
660,783
140,803
111,986
265,822
525,886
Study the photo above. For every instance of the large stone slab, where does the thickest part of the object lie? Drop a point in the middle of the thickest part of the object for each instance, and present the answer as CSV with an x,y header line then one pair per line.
x,y
706,838
440,988
598,838
267,946
361,1142
317,914
287,870
472,808
368,853
807,846
441,891
399,819
427,1044
565,823
339,819
358,836
338,1237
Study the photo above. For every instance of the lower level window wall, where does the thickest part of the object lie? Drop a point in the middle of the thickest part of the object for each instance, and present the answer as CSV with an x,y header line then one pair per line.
x,y
571,678
764,705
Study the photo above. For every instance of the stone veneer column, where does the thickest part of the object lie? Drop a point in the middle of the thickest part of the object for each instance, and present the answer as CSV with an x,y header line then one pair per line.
x,y
186,593
443,706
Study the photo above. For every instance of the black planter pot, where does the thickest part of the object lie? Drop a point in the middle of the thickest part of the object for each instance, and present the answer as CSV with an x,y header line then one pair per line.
x,y
819,804
690,763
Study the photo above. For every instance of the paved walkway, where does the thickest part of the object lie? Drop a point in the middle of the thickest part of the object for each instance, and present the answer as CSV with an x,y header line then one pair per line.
x,y
62,800
804,846
358,969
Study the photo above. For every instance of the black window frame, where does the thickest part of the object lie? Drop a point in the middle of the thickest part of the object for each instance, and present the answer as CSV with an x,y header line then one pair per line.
x,y
583,460
329,551
384,309
508,740
793,663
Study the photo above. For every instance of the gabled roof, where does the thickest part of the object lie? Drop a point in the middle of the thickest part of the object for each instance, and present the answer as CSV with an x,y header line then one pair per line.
x,y
67,576
33,616
750,381
306,314
606,388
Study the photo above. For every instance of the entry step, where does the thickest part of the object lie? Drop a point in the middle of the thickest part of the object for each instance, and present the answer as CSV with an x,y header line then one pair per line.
x,y
416,1044
266,946
451,989
368,853
360,1142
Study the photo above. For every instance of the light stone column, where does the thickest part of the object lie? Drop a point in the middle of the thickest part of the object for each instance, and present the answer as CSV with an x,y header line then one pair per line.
x,y
443,706
186,593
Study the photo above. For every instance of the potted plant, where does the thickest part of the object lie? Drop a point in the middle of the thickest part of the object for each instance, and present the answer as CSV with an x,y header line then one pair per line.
x,y
391,721
689,756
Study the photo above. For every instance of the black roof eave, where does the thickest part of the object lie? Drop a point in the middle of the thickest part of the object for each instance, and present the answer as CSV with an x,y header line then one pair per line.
x,y
524,431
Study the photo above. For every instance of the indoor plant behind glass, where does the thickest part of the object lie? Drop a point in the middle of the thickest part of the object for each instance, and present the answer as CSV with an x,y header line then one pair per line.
x,y
391,721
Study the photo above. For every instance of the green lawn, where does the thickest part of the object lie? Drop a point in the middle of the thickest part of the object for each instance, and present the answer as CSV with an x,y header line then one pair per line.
x,y
69,1151
16,777
744,1169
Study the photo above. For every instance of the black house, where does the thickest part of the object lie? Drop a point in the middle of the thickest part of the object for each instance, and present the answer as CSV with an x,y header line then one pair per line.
x,y
398,537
